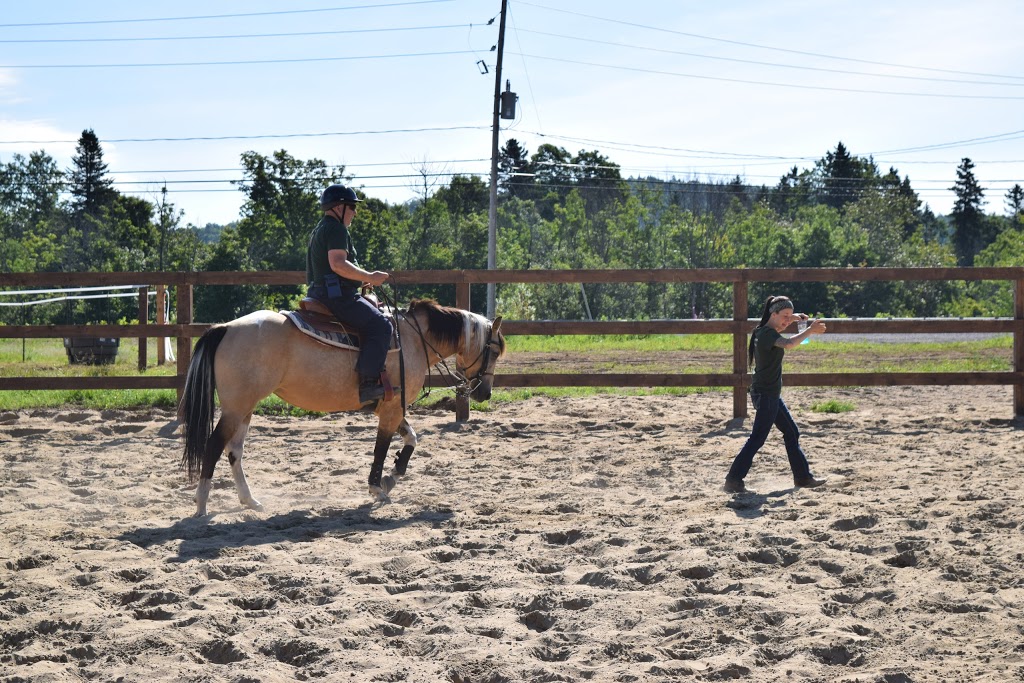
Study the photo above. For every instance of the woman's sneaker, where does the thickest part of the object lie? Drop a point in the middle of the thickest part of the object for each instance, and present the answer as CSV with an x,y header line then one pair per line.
x,y
734,486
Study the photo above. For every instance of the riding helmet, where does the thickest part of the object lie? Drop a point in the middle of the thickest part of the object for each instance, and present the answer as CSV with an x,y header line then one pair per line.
x,y
338,194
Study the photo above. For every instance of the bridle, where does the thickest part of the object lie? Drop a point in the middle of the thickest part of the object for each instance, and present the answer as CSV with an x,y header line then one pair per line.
x,y
463,385
487,358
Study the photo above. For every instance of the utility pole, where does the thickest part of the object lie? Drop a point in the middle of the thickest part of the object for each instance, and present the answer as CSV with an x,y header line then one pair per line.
x,y
492,213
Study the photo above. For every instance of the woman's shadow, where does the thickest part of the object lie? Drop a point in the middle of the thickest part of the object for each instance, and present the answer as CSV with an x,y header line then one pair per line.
x,y
751,505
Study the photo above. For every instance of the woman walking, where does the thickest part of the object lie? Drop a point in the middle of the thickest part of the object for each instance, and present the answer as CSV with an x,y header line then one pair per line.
x,y
766,350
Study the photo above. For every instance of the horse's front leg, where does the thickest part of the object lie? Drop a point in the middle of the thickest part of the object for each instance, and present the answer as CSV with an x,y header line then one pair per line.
x,y
409,441
380,485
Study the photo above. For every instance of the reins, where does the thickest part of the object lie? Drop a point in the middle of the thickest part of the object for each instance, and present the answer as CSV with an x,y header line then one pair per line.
x,y
454,379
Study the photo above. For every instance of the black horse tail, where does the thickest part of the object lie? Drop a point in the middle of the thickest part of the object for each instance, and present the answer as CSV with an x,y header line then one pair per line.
x,y
196,409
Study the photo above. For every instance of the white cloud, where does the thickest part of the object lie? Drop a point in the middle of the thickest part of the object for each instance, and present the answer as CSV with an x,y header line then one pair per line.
x,y
24,137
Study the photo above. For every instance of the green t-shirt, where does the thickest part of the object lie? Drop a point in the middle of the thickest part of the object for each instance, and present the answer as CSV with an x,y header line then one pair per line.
x,y
328,234
767,362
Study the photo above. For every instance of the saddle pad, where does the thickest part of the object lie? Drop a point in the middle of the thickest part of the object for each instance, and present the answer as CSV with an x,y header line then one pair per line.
x,y
339,339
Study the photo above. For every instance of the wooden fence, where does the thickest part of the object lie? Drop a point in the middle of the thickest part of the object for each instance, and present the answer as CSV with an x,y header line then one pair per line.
x,y
739,326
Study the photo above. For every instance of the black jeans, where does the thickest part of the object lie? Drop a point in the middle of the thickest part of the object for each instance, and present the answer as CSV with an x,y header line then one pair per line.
x,y
771,410
363,317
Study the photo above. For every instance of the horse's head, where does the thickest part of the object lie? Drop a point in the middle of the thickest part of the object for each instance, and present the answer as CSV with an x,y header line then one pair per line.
x,y
482,346
476,342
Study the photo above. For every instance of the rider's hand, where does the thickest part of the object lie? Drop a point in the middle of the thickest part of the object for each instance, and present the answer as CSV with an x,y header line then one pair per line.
x,y
377,277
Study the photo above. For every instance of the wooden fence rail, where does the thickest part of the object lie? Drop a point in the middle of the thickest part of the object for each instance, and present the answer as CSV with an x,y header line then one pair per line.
x,y
185,329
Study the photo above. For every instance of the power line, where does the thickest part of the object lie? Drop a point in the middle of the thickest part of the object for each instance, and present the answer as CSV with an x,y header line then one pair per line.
x,y
237,62
626,145
1001,137
771,64
223,16
329,166
742,159
278,136
674,173
241,181
769,47
656,149
234,36
861,91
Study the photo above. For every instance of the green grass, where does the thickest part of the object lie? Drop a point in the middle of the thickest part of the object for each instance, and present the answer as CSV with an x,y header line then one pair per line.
x,y
47,358
833,406
623,342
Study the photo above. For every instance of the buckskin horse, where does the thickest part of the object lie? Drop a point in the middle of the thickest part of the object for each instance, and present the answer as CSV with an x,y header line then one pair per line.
x,y
263,353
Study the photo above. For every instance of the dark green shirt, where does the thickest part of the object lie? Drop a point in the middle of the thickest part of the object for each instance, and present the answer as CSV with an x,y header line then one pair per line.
x,y
328,234
767,362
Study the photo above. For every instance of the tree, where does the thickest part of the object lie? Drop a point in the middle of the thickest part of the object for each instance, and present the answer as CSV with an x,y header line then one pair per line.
x,y
281,208
465,194
597,178
840,177
1015,201
839,185
967,215
29,213
29,192
168,220
512,160
791,192
91,188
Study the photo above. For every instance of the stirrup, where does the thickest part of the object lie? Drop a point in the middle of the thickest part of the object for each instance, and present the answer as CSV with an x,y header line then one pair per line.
x,y
370,392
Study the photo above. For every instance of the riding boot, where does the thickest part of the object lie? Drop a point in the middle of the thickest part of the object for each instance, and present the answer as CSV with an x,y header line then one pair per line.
x,y
370,390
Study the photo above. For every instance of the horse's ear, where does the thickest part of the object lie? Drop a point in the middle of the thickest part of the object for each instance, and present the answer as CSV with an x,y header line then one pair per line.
x,y
496,325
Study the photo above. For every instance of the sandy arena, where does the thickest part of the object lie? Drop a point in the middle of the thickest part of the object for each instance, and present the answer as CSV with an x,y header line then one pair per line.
x,y
551,540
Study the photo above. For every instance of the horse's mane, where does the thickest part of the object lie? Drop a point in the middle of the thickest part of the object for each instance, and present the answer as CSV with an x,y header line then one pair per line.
x,y
443,322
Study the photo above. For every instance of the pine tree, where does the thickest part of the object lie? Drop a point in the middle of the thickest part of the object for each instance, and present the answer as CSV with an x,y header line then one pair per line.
x,y
967,214
839,173
514,158
87,178
1015,201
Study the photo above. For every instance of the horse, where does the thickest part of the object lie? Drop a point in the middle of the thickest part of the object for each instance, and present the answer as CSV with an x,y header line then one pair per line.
x,y
263,353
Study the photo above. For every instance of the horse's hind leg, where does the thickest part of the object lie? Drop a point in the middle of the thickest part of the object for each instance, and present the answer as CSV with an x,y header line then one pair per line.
x,y
227,431
235,447
409,441
211,454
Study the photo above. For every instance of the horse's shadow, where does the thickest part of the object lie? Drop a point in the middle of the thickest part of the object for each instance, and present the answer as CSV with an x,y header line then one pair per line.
x,y
199,539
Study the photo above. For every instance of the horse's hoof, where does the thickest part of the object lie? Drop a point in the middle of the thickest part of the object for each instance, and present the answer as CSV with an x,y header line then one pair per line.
x,y
253,504
387,483
379,494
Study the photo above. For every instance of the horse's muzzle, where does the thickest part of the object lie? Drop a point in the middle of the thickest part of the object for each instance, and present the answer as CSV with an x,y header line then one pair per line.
x,y
482,392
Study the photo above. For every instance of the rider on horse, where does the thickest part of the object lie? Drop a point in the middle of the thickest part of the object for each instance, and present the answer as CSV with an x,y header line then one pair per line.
x,y
334,277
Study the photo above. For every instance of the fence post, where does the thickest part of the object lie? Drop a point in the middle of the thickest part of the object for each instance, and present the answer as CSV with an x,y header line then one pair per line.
x,y
161,319
1018,345
184,341
739,347
462,301
143,320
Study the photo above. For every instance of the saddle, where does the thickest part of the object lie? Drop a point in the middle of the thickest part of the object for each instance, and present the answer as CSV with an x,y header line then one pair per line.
x,y
316,320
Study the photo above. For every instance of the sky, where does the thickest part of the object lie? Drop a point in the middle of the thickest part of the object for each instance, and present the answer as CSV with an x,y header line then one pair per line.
x,y
401,93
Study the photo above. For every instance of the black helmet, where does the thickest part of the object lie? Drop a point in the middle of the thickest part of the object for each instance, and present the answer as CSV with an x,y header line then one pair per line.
x,y
338,194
